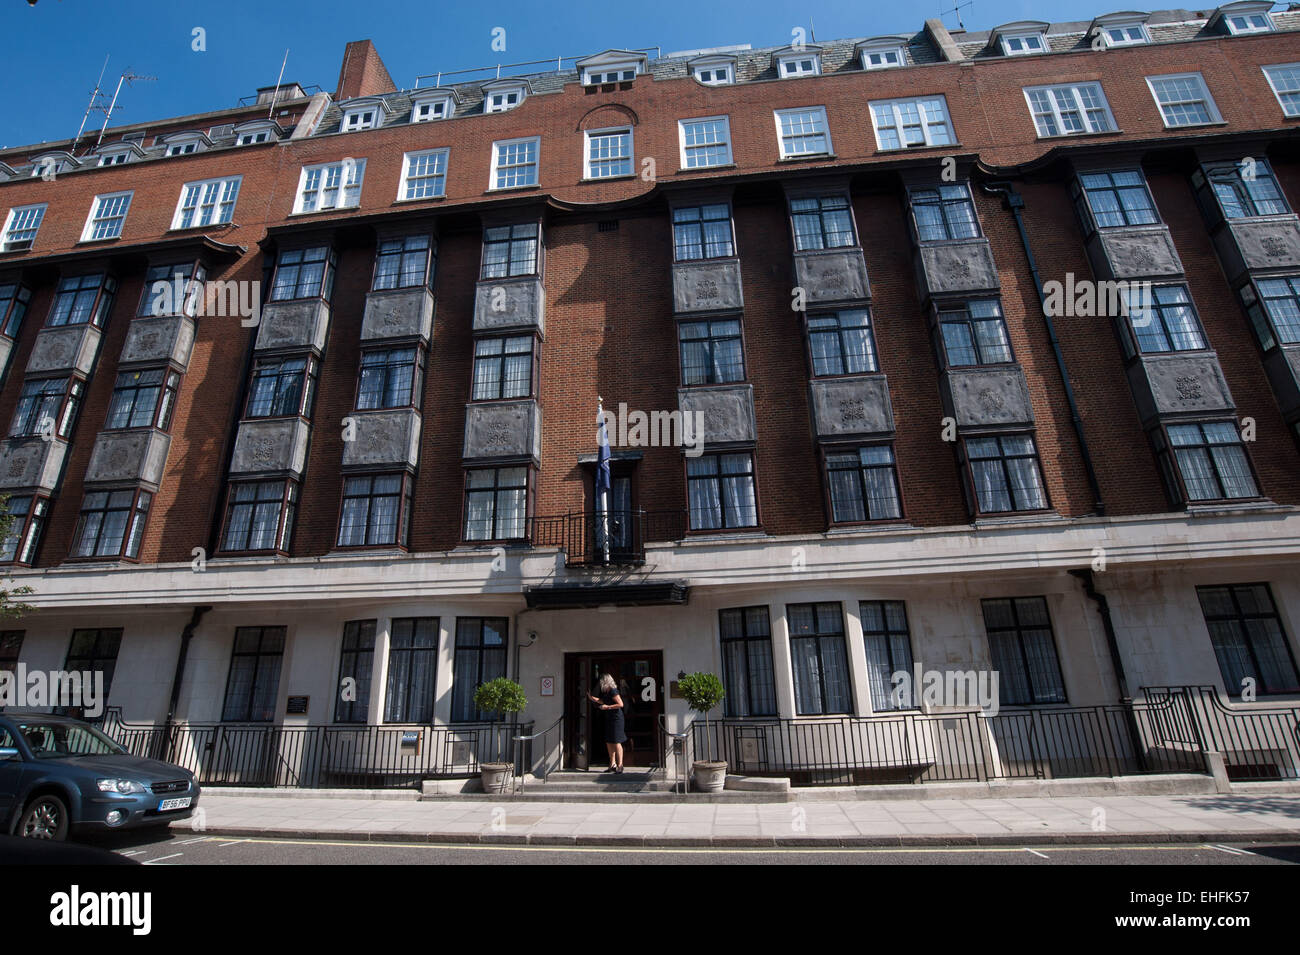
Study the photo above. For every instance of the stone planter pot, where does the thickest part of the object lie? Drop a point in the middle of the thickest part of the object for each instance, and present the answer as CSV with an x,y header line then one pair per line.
x,y
710,777
494,776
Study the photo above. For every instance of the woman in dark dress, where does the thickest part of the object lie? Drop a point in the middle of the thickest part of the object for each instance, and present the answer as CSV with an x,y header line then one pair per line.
x,y
612,706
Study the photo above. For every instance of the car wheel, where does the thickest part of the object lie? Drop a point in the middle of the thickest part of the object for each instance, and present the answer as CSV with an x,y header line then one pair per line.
x,y
46,817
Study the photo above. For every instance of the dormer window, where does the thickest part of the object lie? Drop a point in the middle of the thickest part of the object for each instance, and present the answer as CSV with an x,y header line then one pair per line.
x,y
1121,32
1019,45
501,96
797,63
256,131
611,66
118,154
714,71
1022,38
432,107
182,144
359,119
51,164
1245,16
363,114
883,58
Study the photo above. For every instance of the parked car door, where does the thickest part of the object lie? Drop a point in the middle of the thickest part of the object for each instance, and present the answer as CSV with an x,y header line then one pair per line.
x,y
11,771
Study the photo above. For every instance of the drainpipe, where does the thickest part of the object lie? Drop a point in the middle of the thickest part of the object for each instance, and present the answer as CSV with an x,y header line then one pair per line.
x,y
186,636
1015,202
1086,577
1103,610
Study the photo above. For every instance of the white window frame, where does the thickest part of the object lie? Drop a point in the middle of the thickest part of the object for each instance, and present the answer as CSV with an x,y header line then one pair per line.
x,y
781,137
608,131
728,69
899,52
1005,41
1211,107
1108,40
504,107
1057,114
681,140
404,183
1247,28
117,157
445,101
92,220
496,160
216,195
183,145
925,123
1278,93
253,138
611,73
783,64
6,240
360,118
341,190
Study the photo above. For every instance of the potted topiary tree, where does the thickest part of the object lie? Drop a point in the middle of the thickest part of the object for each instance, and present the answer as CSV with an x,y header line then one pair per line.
x,y
499,696
703,692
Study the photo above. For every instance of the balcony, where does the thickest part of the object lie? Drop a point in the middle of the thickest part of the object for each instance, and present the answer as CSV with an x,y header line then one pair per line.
x,y
582,535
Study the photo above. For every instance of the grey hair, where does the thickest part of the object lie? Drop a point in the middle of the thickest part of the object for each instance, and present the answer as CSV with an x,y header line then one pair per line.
x,y
607,683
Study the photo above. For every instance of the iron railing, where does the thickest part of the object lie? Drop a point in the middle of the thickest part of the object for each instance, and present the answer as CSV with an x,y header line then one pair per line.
x,y
913,747
581,535
1166,730
1257,741
320,756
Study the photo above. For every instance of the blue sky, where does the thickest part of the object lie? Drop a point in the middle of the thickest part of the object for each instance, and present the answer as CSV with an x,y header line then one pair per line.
x,y
53,51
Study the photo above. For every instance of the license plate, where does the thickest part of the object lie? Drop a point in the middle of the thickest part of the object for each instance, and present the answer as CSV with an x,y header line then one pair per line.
x,y
168,805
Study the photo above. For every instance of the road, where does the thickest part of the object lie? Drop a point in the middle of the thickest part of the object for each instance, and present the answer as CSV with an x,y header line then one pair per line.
x,y
188,848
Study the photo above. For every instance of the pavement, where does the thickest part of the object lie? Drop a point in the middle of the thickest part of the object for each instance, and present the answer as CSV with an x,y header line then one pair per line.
x,y
1060,820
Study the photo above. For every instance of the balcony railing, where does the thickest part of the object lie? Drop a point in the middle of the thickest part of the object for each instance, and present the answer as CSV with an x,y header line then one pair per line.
x,y
583,535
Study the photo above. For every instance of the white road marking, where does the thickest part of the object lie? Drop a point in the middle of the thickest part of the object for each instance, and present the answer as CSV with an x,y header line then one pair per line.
x,y
190,842
235,843
133,852
1230,850
1036,853
174,855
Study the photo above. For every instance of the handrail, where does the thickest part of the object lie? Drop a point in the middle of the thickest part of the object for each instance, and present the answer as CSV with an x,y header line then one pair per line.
x,y
522,739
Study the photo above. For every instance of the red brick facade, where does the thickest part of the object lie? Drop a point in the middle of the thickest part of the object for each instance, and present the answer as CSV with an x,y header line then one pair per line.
x,y
609,313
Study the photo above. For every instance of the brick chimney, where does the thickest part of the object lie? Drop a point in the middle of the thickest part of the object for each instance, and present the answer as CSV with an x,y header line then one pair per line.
x,y
363,73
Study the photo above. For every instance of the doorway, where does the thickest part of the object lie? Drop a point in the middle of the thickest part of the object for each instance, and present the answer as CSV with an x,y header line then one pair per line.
x,y
585,722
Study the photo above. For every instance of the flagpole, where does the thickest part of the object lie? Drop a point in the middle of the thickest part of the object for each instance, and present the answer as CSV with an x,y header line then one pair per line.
x,y
603,438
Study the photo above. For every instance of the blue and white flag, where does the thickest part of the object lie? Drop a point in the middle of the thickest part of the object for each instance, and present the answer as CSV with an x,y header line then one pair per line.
x,y
602,457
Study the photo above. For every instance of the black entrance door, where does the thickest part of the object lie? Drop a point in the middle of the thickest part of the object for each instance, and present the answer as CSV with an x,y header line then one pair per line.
x,y
639,677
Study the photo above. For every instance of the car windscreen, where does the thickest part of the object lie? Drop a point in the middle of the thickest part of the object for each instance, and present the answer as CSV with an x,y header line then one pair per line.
x,y
60,740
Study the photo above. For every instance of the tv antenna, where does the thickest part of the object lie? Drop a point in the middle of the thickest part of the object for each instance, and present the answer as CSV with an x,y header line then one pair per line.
x,y
96,102
97,96
957,10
